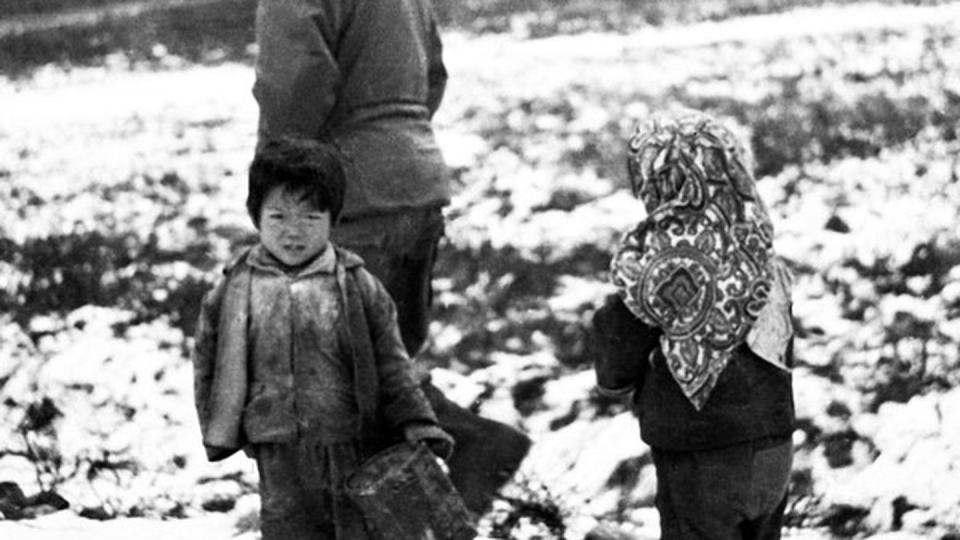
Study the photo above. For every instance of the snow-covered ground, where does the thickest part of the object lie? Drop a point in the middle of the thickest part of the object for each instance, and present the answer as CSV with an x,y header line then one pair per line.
x,y
78,133
66,525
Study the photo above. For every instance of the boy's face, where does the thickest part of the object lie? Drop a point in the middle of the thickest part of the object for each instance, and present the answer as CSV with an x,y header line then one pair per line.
x,y
291,229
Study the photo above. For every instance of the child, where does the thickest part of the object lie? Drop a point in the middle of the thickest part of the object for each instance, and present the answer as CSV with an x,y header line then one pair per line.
x,y
701,334
298,356
369,76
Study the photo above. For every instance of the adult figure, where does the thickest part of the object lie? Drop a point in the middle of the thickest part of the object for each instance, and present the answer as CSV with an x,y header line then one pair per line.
x,y
367,75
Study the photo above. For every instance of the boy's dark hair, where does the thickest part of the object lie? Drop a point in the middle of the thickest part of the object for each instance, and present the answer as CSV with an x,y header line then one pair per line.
x,y
314,167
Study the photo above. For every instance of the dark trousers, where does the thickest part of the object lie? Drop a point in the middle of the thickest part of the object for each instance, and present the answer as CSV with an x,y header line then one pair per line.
x,y
400,249
301,491
732,493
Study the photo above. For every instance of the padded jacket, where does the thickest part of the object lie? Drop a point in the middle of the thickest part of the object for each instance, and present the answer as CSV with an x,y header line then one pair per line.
x,y
752,400
387,395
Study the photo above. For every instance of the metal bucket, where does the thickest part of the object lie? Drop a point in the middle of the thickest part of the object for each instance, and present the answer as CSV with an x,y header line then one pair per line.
x,y
404,494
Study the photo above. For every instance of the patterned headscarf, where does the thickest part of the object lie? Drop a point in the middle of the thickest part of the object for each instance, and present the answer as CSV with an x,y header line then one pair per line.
x,y
700,266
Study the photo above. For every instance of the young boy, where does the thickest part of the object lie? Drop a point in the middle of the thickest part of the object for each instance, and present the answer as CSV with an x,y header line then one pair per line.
x,y
369,76
701,334
298,356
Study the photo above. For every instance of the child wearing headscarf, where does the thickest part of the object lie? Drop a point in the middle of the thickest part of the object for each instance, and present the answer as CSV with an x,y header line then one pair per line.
x,y
700,333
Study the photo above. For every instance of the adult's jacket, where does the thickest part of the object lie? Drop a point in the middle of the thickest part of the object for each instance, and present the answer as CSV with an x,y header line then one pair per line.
x,y
366,74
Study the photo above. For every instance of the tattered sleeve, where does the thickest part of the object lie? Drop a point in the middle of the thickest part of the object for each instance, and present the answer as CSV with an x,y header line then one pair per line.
x,y
401,399
205,351
436,71
623,345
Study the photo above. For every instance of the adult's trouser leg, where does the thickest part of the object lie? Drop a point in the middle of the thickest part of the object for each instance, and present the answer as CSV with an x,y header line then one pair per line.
x,y
401,249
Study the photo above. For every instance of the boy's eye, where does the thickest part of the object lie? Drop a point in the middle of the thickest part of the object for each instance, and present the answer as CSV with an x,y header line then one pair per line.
x,y
314,217
274,215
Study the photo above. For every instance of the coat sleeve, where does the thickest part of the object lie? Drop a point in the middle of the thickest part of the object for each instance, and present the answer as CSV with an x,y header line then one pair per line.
x,y
436,71
624,344
205,351
297,73
401,399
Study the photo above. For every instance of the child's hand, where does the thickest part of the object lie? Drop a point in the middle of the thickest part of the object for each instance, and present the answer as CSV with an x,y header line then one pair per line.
x,y
437,440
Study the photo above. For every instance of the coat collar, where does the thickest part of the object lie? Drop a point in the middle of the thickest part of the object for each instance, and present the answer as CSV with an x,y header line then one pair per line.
x,y
347,258
261,259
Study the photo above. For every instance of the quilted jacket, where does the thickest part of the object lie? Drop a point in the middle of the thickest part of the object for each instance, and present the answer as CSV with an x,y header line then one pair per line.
x,y
753,399
387,395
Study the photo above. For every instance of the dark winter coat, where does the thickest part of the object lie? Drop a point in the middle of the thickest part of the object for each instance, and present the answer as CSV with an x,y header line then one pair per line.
x,y
366,74
752,400
387,396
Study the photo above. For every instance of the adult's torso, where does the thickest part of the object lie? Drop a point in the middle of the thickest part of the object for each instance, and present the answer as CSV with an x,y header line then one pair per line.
x,y
366,74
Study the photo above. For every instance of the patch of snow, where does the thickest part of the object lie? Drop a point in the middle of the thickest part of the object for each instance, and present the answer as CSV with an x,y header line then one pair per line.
x,y
575,292
576,460
66,524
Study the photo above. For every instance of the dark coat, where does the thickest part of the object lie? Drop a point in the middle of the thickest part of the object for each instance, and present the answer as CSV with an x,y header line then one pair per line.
x,y
367,75
387,395
752,400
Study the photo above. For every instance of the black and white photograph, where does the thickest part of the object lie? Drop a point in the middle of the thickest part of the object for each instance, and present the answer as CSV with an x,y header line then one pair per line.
x,y
479,269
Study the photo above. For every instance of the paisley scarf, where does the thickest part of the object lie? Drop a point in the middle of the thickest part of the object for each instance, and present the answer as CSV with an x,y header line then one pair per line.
x,y
701,265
